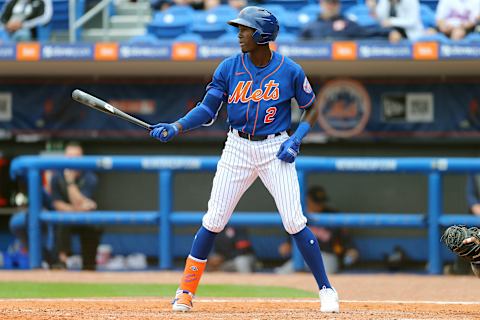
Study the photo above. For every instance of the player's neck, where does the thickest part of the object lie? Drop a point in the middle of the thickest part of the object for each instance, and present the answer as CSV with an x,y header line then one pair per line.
x,y
261,56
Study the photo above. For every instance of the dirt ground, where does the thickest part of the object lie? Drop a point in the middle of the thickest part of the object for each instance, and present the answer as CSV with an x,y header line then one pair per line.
x,y
382,296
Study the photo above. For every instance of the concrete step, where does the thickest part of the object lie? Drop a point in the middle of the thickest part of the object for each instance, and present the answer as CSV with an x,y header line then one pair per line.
x,y
96,35
133,8
126,22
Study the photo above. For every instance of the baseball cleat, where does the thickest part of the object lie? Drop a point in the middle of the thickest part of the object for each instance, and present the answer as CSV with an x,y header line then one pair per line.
x,y
329,300
182,301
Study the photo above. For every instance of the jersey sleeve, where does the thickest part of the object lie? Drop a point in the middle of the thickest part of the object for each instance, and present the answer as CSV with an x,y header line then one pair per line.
x,y
303,90
219,80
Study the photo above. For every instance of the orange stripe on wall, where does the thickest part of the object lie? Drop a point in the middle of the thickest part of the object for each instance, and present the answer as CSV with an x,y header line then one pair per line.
x,y
28,51
106,51
184,51
425,51
344,50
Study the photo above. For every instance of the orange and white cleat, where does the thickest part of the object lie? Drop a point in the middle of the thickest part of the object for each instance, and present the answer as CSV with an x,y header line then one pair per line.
x,y
182,301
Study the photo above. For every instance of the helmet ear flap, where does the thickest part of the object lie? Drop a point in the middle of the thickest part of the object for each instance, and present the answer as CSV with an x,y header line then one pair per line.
x,y
258,38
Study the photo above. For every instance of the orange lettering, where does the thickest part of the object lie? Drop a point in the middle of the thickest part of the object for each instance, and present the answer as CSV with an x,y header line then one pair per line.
x,y
257,95
241,92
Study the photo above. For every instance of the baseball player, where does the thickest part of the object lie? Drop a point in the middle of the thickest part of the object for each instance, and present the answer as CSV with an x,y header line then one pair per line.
x,y
257,86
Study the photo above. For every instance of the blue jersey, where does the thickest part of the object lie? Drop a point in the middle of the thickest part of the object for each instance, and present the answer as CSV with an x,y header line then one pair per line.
x,y
259,99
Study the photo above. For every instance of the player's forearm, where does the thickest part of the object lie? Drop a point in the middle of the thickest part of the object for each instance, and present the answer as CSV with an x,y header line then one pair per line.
x,y
194,119
307,122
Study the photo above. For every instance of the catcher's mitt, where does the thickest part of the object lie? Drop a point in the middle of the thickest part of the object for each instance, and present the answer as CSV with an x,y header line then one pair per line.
x,y
453,238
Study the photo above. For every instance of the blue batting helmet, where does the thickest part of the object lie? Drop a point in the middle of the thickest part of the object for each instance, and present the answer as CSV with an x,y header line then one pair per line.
x,y
263,21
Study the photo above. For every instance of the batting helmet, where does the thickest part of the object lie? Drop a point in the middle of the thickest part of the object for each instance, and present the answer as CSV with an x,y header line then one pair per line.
x,y
263,21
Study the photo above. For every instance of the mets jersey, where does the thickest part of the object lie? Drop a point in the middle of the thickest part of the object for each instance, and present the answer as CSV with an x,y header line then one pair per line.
x,y
259,98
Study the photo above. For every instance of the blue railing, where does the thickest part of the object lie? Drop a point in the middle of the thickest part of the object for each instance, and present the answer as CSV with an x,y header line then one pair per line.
x,y
166,218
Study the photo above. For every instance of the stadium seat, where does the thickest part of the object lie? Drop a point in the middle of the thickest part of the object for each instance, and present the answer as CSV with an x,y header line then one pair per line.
x,y
4,38
208,25
438,37
171,23
347,4
432,4
229,38
427,15
313,9
224,12
286,37
144,39
296,21
361,14
189,37
277,10
472,37
288,4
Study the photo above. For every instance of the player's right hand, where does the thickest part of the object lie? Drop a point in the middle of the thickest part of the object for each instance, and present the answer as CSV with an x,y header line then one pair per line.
x,y
164,131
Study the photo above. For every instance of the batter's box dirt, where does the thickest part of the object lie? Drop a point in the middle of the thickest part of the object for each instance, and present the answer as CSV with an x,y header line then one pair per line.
x,y
229,309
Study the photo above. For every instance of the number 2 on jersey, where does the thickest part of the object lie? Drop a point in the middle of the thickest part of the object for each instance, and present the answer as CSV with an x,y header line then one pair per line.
x,y
270,115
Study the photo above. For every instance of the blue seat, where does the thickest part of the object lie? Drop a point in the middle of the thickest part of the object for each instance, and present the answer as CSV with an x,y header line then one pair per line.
x,y
4,38
144,39
347,4
208,25
428,16
189,37
288,4
229,38
296,21
438,37
224,12
473,37
360,13
432,4
286,37
277,10
313,9
171,23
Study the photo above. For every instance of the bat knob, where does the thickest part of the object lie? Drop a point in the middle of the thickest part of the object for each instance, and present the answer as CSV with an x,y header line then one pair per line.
x,y
164,133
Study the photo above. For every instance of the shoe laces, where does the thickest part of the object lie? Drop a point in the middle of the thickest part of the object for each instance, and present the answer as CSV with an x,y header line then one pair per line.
x,y
328,292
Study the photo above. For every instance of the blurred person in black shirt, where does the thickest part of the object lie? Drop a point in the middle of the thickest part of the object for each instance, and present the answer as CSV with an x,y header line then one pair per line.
x,y
21,17
335,243
332,25
233,252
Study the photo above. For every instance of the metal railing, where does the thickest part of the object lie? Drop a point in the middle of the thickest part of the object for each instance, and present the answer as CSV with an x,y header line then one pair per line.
x,y
74,24
165,217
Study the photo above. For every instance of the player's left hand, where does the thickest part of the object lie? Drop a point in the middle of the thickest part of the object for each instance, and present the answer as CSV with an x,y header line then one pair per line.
x,y
164,131
289,150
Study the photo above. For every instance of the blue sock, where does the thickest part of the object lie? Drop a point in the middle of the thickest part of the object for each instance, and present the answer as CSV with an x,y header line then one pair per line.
x,y
202,244
308,246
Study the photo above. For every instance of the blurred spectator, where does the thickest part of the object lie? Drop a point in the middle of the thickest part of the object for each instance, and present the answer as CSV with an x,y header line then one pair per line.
x,y
233,252
332,25
237,4
335,244
457,18
402,17
210,4
160,5
21,17
73,191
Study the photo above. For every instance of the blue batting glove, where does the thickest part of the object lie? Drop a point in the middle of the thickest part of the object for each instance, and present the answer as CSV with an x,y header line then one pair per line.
x,y
289,150
164,131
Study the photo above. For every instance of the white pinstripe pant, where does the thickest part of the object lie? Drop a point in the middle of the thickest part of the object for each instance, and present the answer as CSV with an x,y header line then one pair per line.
x,y
241,163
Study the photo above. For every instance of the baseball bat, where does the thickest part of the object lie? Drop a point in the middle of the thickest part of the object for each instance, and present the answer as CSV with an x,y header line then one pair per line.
x,y
100,105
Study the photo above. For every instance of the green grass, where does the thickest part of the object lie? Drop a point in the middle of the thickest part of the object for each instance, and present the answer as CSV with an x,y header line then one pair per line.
x,y
82,290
